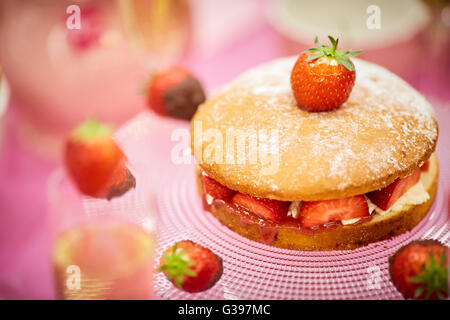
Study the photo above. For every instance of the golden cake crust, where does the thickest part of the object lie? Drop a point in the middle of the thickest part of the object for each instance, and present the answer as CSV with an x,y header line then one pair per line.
x,y
384,131
381,227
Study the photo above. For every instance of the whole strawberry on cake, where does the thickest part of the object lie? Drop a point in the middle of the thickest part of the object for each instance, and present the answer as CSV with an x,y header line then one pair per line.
x,y
318,152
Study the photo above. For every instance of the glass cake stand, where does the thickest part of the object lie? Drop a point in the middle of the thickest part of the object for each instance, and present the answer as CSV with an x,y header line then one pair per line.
x,y
254,270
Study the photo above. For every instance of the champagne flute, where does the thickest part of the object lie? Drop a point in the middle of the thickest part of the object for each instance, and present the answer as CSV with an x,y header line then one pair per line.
x,y
159,29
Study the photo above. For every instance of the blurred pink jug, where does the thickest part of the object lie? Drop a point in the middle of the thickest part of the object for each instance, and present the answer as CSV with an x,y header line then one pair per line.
x,y
60,75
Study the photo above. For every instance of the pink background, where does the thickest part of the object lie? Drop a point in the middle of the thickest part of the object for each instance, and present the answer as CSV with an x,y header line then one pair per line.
x,y
25,271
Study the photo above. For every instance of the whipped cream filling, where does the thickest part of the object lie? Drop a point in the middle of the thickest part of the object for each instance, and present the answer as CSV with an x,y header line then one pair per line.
x,y
209,199
294,209
350,221
414,196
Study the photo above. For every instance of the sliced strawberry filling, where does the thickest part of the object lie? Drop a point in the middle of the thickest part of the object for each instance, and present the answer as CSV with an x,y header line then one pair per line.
x,y
318,213
386,197
425,166
273,210
312,214
213,190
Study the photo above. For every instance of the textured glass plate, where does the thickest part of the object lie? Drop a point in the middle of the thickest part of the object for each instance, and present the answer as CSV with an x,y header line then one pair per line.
x,y
253,270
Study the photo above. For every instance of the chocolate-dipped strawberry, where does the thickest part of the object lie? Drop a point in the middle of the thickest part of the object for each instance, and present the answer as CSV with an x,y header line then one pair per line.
x,y
176,93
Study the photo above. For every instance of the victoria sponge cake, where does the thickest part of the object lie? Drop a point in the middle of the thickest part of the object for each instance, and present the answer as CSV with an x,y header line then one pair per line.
x,y
282,175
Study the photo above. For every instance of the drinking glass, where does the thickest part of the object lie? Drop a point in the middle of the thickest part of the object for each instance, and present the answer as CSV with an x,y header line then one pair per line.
x,y
100,249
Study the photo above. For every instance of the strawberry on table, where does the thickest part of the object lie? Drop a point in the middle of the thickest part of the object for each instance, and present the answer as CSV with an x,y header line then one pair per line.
x,y
175,93
317,213
191,267
387,196
95,162
323,77
420,270
273,210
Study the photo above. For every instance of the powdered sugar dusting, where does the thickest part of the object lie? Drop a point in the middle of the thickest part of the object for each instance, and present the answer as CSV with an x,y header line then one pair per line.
x,y
384,127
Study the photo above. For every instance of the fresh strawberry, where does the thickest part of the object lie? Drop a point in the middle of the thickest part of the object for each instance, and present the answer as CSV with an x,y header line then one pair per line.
x,y
420,270
272,210
386,197
96,163
425,166
191,267
215,190
317,213
175,93
323,77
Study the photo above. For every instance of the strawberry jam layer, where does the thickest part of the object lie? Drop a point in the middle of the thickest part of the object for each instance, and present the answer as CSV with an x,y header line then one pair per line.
x,y
269,229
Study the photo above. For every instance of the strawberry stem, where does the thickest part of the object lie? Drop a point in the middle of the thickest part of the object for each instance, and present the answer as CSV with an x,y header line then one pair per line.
x,y
332,52
177,266
433,279
92,129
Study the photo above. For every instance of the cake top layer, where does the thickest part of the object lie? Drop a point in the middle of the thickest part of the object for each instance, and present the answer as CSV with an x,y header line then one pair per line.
x,y
385,130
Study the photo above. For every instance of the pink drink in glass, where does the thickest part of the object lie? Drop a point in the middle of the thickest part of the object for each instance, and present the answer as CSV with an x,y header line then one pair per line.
x,y
60,76
104,259
100,249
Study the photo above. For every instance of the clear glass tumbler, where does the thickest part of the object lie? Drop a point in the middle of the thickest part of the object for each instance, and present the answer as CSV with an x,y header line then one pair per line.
x,y
101,249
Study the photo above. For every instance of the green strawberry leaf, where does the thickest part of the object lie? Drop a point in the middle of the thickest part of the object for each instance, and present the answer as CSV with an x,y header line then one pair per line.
x,y
316,41
345,62
177,266
417,279
190,272
332,52
311,50
91,129
315,56
419,291
334,42
433,279
353,53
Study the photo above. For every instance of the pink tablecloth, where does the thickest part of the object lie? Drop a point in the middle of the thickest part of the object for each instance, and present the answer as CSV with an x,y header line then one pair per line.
x,y
25,271
24,267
